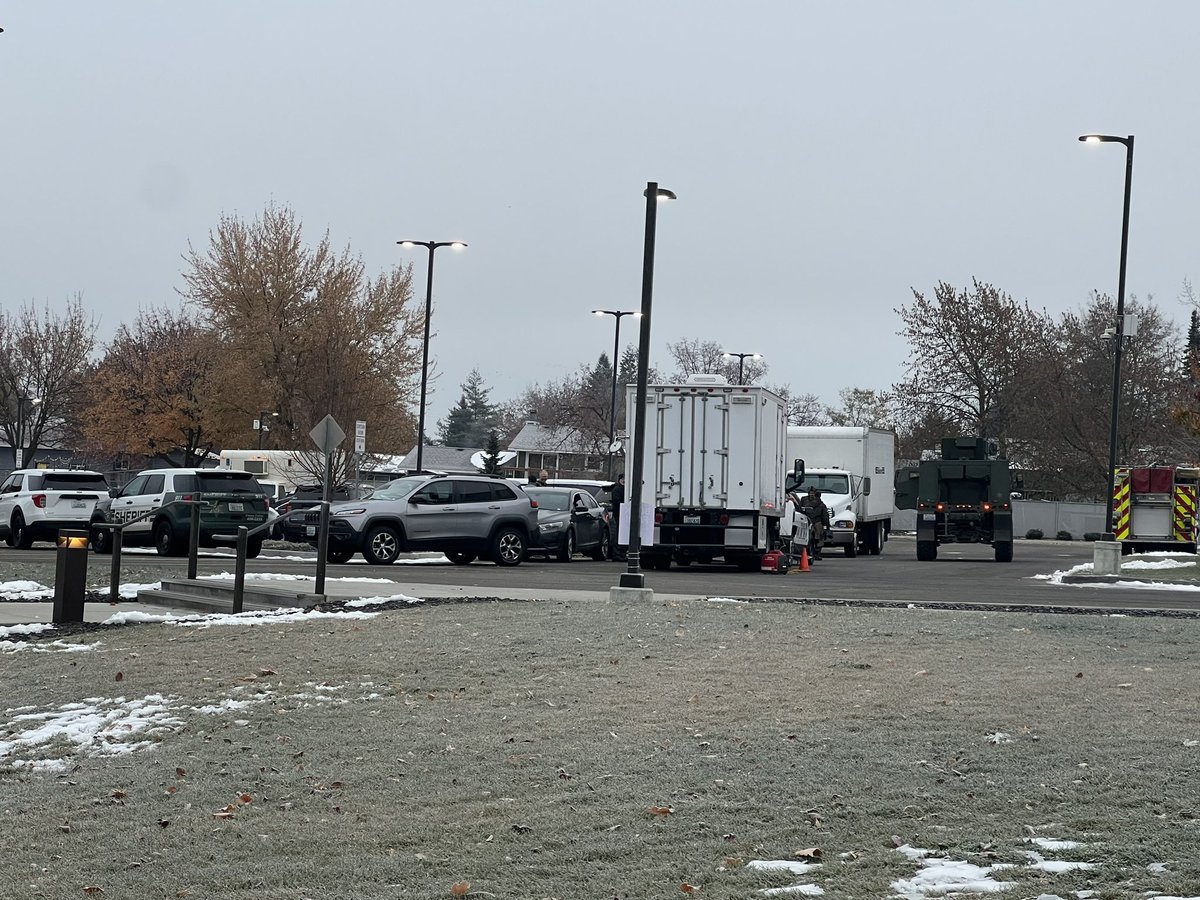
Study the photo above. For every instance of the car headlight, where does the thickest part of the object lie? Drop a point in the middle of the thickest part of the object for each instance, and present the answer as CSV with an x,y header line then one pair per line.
x,y
844,523
348,511
551,526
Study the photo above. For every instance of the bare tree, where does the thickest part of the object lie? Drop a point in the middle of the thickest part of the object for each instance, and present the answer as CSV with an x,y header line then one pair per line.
x,y
969,356
862,406
693,356
43,356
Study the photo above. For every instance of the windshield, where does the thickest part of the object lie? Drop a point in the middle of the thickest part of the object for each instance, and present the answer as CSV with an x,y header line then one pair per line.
x,y
69,481
555,501
826,483
398,489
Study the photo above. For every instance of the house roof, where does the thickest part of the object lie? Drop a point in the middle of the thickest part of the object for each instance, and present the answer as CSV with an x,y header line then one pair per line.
x,y
536,437
442,459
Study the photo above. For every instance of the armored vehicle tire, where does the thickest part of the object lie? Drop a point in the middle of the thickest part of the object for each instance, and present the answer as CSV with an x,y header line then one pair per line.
x,y
852,547
21,538
165,541
567,548
338,555
254,547
748,562
508,546
460,557
603,551
382,545
1003,551
926,551
101,539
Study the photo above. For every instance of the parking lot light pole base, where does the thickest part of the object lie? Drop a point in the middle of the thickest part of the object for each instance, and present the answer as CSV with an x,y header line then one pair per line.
x,y
622,594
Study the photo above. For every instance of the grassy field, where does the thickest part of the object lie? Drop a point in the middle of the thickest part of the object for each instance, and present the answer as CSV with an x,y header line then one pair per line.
x,y
544,749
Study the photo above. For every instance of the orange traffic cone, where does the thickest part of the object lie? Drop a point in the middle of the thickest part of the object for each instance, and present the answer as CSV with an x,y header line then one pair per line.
x,y
804,567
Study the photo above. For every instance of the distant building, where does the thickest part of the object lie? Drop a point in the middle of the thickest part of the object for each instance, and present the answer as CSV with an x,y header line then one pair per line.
x,y
434,458
562,451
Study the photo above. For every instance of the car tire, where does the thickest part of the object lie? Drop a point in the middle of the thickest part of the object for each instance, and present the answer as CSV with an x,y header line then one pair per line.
x,y
21,538
254,547
508,546
603,549
165,541
338,555
382,546
852,547
102,540
460,557
567,548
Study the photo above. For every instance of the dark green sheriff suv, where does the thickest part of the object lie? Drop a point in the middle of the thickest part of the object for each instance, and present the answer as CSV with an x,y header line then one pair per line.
x,y
227,499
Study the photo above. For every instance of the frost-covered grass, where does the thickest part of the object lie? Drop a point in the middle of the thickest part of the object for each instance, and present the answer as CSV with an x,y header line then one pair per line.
x,y
540,749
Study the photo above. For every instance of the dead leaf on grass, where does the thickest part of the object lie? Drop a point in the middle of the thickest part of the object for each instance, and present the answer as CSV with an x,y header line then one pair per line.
x,y
731,862
65,827
661,810
460,888
180,772
689,888
120,677
729,837
245,798
163,823
809,853
93,889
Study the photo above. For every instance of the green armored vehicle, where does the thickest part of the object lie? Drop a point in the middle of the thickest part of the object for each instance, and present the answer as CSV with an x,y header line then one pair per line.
x,y
962,498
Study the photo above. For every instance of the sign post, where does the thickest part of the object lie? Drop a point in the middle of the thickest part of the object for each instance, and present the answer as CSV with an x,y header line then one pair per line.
x,y
360,447
328,436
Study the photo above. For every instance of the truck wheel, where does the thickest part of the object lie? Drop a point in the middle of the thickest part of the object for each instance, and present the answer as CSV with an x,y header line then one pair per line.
x,y
874,538
926,551
852,547
1003,551
253,547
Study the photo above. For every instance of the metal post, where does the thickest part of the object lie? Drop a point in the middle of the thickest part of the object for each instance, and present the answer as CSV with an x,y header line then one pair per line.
x,y
323,532
114,579
741,369
633,577
424,364
193,540
239,567
19,450
612,403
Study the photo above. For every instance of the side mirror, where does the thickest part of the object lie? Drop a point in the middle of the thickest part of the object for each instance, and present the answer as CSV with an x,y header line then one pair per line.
x,y
798,470
866,486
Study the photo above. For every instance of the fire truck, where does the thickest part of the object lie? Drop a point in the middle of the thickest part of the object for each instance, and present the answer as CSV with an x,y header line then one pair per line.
x,y
1154,508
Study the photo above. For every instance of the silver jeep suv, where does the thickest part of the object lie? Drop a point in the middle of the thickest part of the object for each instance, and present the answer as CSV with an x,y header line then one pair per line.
x,y
464,516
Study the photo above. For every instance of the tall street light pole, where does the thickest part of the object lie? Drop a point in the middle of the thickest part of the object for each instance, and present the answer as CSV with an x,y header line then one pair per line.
x,y
633,577
1120,329
431,246
612,404
741,358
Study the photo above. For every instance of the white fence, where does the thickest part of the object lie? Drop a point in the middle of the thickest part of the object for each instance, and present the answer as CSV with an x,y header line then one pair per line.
x,y
1049,516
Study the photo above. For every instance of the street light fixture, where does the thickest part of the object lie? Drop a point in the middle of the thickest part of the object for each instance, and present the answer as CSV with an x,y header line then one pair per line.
x,y
431,246
261,424
612,405
741,358
19,453
1120,325
633,577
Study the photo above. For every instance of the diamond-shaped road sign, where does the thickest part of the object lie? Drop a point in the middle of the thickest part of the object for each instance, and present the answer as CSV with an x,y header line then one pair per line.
x,y
327,435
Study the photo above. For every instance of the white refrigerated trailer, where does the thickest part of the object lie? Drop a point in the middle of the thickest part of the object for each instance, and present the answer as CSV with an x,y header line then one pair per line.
x,y
714,469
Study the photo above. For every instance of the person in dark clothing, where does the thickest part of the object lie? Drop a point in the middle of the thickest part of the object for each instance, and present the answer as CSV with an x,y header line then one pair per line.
x,y
618,500
818,513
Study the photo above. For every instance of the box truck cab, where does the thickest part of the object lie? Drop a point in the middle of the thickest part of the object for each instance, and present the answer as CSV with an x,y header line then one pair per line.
x,y
852,467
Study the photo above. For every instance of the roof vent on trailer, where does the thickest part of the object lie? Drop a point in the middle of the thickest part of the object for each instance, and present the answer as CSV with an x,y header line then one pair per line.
x,y
699,378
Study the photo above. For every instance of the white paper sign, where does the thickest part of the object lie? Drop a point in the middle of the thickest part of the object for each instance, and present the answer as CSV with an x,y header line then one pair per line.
x,y
646,523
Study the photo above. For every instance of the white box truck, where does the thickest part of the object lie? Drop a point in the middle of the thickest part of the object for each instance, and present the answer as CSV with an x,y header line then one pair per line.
x,y
713,466
853,467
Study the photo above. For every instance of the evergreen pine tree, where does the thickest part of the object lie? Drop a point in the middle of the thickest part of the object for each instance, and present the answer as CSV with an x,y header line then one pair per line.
x,y
468,423
1191,351
491,459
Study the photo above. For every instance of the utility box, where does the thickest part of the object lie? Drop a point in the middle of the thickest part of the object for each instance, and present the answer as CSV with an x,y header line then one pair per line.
x,y
70,576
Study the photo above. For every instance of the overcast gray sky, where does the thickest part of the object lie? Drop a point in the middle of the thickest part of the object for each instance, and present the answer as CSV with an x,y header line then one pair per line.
x,y
828,157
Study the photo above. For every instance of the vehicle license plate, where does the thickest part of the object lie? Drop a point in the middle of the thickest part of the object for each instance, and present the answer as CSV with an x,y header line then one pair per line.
x,y
310,530
78,504
691,520
929,517
235,507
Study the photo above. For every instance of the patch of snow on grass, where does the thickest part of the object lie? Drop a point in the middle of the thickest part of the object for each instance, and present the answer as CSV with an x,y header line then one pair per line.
x,y
1051,844
940,877
375,601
